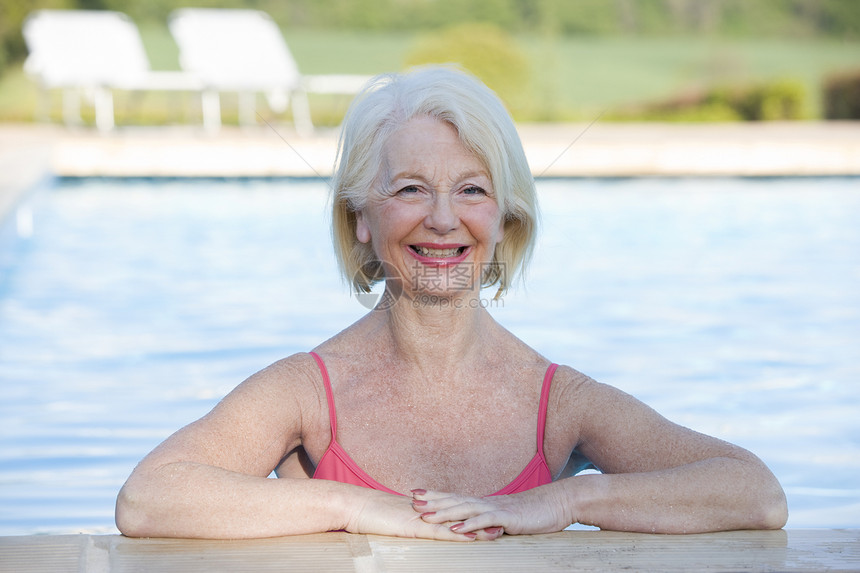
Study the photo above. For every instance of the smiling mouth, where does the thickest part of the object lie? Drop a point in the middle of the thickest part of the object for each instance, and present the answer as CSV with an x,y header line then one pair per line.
x,y
438,253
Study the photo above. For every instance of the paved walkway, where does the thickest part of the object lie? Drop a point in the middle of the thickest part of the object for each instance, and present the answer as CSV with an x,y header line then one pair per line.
x,y
28,152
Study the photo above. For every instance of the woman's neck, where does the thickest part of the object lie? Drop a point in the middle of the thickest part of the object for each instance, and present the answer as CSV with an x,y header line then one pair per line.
x,y
437,334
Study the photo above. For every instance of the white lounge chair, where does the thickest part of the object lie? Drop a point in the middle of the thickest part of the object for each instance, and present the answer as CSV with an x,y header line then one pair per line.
x,y
92,52
244,51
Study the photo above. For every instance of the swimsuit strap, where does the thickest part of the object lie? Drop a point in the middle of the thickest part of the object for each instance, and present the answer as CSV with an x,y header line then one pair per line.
x,y
544,404
332,414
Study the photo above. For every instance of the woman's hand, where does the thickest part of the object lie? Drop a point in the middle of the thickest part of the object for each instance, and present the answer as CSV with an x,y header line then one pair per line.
x,y
532,511
388,514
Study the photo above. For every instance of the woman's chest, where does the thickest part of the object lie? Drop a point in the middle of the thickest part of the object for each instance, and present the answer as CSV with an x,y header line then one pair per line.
x,y
469,444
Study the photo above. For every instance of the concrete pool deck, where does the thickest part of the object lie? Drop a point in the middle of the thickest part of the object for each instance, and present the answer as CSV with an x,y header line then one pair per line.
x,y
29,152
783,550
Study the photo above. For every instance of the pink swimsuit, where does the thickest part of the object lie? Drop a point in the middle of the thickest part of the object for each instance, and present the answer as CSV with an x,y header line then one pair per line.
x,y
336,465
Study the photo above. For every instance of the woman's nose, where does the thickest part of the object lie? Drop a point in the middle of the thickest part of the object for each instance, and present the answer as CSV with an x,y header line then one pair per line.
x,y
442,217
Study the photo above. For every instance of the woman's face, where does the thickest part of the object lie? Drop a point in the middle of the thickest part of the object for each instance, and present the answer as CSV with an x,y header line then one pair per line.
x,y
432,216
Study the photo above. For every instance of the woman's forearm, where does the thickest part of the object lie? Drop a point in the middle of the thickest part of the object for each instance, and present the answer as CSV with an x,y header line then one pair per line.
x,y
185,499
711,495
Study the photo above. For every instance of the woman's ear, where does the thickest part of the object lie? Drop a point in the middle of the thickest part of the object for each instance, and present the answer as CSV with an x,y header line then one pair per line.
x,y
362,231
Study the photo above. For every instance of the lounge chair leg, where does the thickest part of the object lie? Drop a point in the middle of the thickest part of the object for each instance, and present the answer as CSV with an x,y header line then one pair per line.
x,y
103,101
72,107
43,105
211,102
302,113
247,107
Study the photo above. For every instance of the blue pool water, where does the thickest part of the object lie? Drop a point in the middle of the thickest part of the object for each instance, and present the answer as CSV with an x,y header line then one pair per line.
x,y
129,307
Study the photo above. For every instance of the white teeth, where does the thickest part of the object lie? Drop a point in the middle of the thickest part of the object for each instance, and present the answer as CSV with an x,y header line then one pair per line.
x,y
438,253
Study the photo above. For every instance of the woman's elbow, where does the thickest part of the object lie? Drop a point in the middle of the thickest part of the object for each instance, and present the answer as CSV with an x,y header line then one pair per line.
x,y
772,509
130,514
775,515
761,499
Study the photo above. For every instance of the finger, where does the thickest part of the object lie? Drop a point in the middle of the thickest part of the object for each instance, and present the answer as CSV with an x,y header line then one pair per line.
x,y
486,534
430,495
430,517
492,524
438,502
424,500
444,533
490,533
455,509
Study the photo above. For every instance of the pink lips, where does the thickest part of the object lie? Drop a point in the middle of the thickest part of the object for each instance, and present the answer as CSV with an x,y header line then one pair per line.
x,y
440,261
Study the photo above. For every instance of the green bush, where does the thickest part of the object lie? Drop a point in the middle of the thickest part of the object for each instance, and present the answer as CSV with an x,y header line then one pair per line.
x,y
770,101
842,96
12,16
778,100
486,51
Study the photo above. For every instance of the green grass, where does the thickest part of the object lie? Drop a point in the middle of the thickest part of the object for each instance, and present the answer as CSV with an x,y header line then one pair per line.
x,y
572,78
584,76
17,96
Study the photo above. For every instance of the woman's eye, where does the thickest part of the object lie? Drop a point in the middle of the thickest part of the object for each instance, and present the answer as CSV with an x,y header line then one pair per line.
x,y
474,190
409,189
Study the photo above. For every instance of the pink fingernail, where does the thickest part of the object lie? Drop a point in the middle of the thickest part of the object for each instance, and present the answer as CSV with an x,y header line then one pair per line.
x,y
423,515
471,535
419,491
493,530
457,526
419,502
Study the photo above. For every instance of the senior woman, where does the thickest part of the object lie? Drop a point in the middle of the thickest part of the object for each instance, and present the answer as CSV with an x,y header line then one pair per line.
x,y
426,418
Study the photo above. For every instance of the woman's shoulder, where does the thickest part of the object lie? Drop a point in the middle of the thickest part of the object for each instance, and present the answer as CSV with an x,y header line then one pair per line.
x,y
572,378
291,384
299,364
295,374
580,396
518,354
516,350
572,391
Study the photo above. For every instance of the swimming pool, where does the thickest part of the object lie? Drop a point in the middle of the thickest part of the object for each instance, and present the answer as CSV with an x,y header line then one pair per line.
x,y
129,307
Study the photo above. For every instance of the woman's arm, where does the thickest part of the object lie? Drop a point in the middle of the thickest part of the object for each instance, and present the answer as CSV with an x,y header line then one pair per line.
x,y
658,477
210,479
661,477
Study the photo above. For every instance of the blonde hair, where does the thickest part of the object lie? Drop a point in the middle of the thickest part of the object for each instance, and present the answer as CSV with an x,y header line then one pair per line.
x,y
485,128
